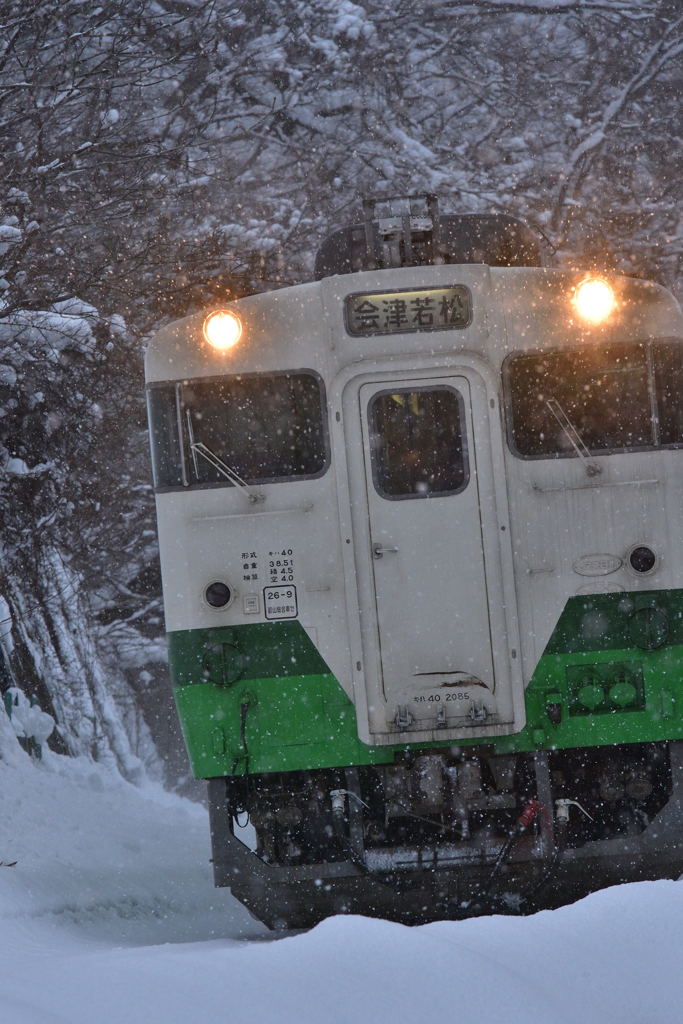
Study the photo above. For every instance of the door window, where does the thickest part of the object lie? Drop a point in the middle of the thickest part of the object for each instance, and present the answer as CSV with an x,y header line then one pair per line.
x,y
417,443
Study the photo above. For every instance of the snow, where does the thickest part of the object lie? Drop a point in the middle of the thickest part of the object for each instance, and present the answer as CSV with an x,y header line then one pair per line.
x,y
6,641
9,236
8,375
47,333
110,915
27,720
9,233
16,467
351,21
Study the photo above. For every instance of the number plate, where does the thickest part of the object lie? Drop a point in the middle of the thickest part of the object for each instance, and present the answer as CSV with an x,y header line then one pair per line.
x,y
407,311
280,602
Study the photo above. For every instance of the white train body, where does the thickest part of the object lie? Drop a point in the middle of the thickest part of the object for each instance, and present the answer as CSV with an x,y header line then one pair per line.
x,y
431,608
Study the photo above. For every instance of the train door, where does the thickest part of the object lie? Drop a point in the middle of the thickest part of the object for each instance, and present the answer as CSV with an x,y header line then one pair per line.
x,y
436,592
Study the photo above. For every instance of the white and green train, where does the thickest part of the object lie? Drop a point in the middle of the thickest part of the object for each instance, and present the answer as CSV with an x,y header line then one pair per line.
x,y
421,532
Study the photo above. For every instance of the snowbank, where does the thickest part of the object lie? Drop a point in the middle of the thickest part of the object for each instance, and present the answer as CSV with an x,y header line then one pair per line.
x,y
109,915
101,858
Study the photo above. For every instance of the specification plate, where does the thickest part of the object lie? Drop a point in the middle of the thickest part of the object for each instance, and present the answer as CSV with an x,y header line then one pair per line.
x,y
280,602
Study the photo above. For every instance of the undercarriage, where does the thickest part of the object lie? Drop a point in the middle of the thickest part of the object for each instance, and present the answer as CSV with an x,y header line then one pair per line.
x,y
448,833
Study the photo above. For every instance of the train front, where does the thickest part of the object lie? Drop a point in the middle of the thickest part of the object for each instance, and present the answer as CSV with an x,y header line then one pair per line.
x,y
359,630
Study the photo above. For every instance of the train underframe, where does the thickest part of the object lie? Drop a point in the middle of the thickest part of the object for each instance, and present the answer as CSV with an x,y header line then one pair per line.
x,y
448,833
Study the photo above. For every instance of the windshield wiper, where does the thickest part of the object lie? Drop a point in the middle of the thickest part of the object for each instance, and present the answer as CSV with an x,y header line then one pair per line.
x,y
573,436
199,448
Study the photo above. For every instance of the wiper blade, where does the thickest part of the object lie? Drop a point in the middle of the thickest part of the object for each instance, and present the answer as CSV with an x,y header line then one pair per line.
x,y
573,436
199,448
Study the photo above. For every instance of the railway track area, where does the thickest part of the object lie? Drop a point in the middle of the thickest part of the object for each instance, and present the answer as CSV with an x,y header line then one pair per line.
x,y
109,914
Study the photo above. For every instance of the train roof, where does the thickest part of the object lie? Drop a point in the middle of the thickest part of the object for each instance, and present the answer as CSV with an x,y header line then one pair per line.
x,y
495,239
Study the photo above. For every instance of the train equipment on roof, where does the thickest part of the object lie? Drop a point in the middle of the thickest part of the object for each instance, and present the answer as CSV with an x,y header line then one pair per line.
x,y
420,524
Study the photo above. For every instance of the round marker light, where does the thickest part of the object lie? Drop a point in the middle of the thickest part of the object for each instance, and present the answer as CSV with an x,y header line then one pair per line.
x,y
594,300
642,559
218,594
222,329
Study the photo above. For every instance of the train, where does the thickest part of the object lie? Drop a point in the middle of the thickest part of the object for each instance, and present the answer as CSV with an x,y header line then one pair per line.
x,y
420,525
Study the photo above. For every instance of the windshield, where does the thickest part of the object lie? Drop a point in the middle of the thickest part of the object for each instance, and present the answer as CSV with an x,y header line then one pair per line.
x,y
264,427
617,397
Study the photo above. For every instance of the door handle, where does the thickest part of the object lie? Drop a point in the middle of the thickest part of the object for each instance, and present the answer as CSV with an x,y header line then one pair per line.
x,y
379,552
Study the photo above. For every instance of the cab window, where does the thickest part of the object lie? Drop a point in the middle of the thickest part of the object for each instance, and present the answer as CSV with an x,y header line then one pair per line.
x,y
263,428
617,398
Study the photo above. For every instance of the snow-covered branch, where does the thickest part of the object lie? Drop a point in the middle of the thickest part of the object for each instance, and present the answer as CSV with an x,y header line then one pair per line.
x,y
666,51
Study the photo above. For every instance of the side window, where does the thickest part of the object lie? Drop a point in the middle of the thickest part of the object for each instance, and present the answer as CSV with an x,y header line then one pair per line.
x,y
624,397
163,414
417,443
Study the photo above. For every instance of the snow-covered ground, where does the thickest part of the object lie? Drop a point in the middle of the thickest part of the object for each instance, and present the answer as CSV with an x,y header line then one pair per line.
x,y
109,917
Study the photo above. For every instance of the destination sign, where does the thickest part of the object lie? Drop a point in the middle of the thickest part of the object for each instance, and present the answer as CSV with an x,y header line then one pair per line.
x,y
405,311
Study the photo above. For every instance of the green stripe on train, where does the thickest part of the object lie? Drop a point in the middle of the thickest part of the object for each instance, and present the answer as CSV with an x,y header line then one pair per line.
x,y
612,670
259,698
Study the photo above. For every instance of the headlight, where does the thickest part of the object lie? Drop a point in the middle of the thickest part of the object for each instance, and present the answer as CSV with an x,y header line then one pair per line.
x,y
594,300
222,329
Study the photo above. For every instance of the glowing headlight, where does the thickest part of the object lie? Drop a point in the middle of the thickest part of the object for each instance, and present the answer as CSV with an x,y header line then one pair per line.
x,y
594,300
222,329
